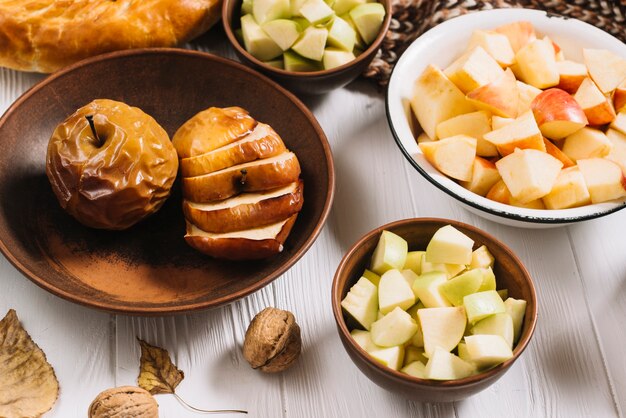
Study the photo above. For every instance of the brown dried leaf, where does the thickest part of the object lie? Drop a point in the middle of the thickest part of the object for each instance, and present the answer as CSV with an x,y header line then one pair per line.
x,y
28,386
157,373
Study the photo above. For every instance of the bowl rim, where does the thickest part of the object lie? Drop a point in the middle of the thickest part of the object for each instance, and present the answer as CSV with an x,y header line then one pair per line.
x,y
499,209
197,306
397,375
371,49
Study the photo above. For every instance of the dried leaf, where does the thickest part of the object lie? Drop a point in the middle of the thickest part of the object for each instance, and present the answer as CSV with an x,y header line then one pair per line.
x,y
157,373
28,386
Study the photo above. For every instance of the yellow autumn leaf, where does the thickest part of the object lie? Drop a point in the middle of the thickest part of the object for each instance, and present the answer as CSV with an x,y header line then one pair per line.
x,y
157,373
28,386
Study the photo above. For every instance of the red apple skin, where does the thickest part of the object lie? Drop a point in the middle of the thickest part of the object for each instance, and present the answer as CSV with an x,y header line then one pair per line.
x,y
619,98
557,105
554,151
600,114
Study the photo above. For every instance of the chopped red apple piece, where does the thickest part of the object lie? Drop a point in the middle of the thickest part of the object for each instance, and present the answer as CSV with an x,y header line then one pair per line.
x,y
557,113
537,65
518,33
473,69
452,156
604,178
587,143
556,152
619,97
436,99
606,68
529,174
522,133
474,124
596,106
620,122
500,96
484,176
423,138
495,44
618,151
500,193
569,190
571,74
527,94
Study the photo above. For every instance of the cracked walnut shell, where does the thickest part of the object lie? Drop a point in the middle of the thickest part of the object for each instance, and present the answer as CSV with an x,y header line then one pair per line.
x,y
272,341
127,401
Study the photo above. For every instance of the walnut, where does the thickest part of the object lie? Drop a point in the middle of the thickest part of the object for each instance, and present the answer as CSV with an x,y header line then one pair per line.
x,y
272,340
127,401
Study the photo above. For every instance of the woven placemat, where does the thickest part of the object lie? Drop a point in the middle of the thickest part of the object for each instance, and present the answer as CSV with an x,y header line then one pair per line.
x,y
411,18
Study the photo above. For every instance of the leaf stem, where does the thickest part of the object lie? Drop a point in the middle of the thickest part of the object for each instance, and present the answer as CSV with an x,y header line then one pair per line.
x,y
204,411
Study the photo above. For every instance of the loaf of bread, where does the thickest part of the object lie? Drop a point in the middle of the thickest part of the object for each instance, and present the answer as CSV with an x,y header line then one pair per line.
x,y
45,35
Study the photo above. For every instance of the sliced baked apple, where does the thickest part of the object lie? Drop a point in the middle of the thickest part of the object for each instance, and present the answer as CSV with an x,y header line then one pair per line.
x,y
247,210
249,244
211,129
262,142
259,175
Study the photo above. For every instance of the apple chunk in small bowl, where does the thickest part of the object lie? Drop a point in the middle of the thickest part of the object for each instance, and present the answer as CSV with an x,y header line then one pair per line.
x,y
518,115
429,331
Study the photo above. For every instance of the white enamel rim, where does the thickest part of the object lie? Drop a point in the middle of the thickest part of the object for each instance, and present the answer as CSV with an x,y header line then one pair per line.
x,y
447,41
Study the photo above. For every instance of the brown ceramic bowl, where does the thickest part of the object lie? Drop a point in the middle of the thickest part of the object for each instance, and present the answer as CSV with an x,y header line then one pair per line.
x,y
147,269
510,274
316,82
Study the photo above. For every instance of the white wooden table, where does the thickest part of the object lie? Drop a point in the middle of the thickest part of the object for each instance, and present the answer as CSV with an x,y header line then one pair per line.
x,y
575,366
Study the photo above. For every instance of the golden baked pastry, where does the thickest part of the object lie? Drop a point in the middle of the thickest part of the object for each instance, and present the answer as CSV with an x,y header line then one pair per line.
x,y
45,35
241,186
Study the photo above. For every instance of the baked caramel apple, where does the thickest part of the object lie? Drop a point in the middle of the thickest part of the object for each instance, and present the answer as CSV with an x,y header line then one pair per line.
x,y
241,186
110,165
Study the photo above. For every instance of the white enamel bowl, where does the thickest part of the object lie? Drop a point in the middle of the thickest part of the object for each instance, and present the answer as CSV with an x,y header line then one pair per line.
x,y
440,46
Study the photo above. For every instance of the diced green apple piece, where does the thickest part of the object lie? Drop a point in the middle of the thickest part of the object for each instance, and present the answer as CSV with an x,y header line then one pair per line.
x,y
296,63
364,340
487,350
379,315
302,22
246,7
390,253
334,58
504,294
391,357
414,261
282,31
360,44
316,11
368,18
311,43
462,285
481,257
517,309
280,64
361,303
410,278
442,327
341,35
371,276
451,270
344,6
499,324
418,338
256,41
426,287
415,369
482,304
489,279
412,353
444,365
449,245
395,328
394,291
267,10
462,352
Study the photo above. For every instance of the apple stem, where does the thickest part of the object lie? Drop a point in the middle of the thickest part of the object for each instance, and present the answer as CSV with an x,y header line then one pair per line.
x,y
93,129
244,173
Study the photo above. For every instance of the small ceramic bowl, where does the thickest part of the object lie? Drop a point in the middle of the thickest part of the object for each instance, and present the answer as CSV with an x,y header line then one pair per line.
x,y
316,82
440,46
510,274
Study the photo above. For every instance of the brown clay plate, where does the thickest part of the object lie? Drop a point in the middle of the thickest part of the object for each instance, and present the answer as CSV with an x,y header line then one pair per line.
x,y
147,269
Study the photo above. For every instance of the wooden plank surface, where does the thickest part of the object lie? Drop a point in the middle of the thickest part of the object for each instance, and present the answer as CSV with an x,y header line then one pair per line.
x,y
574,367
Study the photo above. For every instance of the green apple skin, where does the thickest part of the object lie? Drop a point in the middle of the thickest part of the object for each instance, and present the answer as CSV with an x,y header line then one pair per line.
x,y
412,353
448,245
391,357
268,10
390,253
487,350
442,327
344,6
395,328
418,338
462,352
256,41
279,63
415,369
371,276
481,257
444,365
368,19
311,43
489,279
246,7
364,340
341,35
482,304
504,294
426,287
498,324
361,303
517,309
296,63
462,285
282,31
414,261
